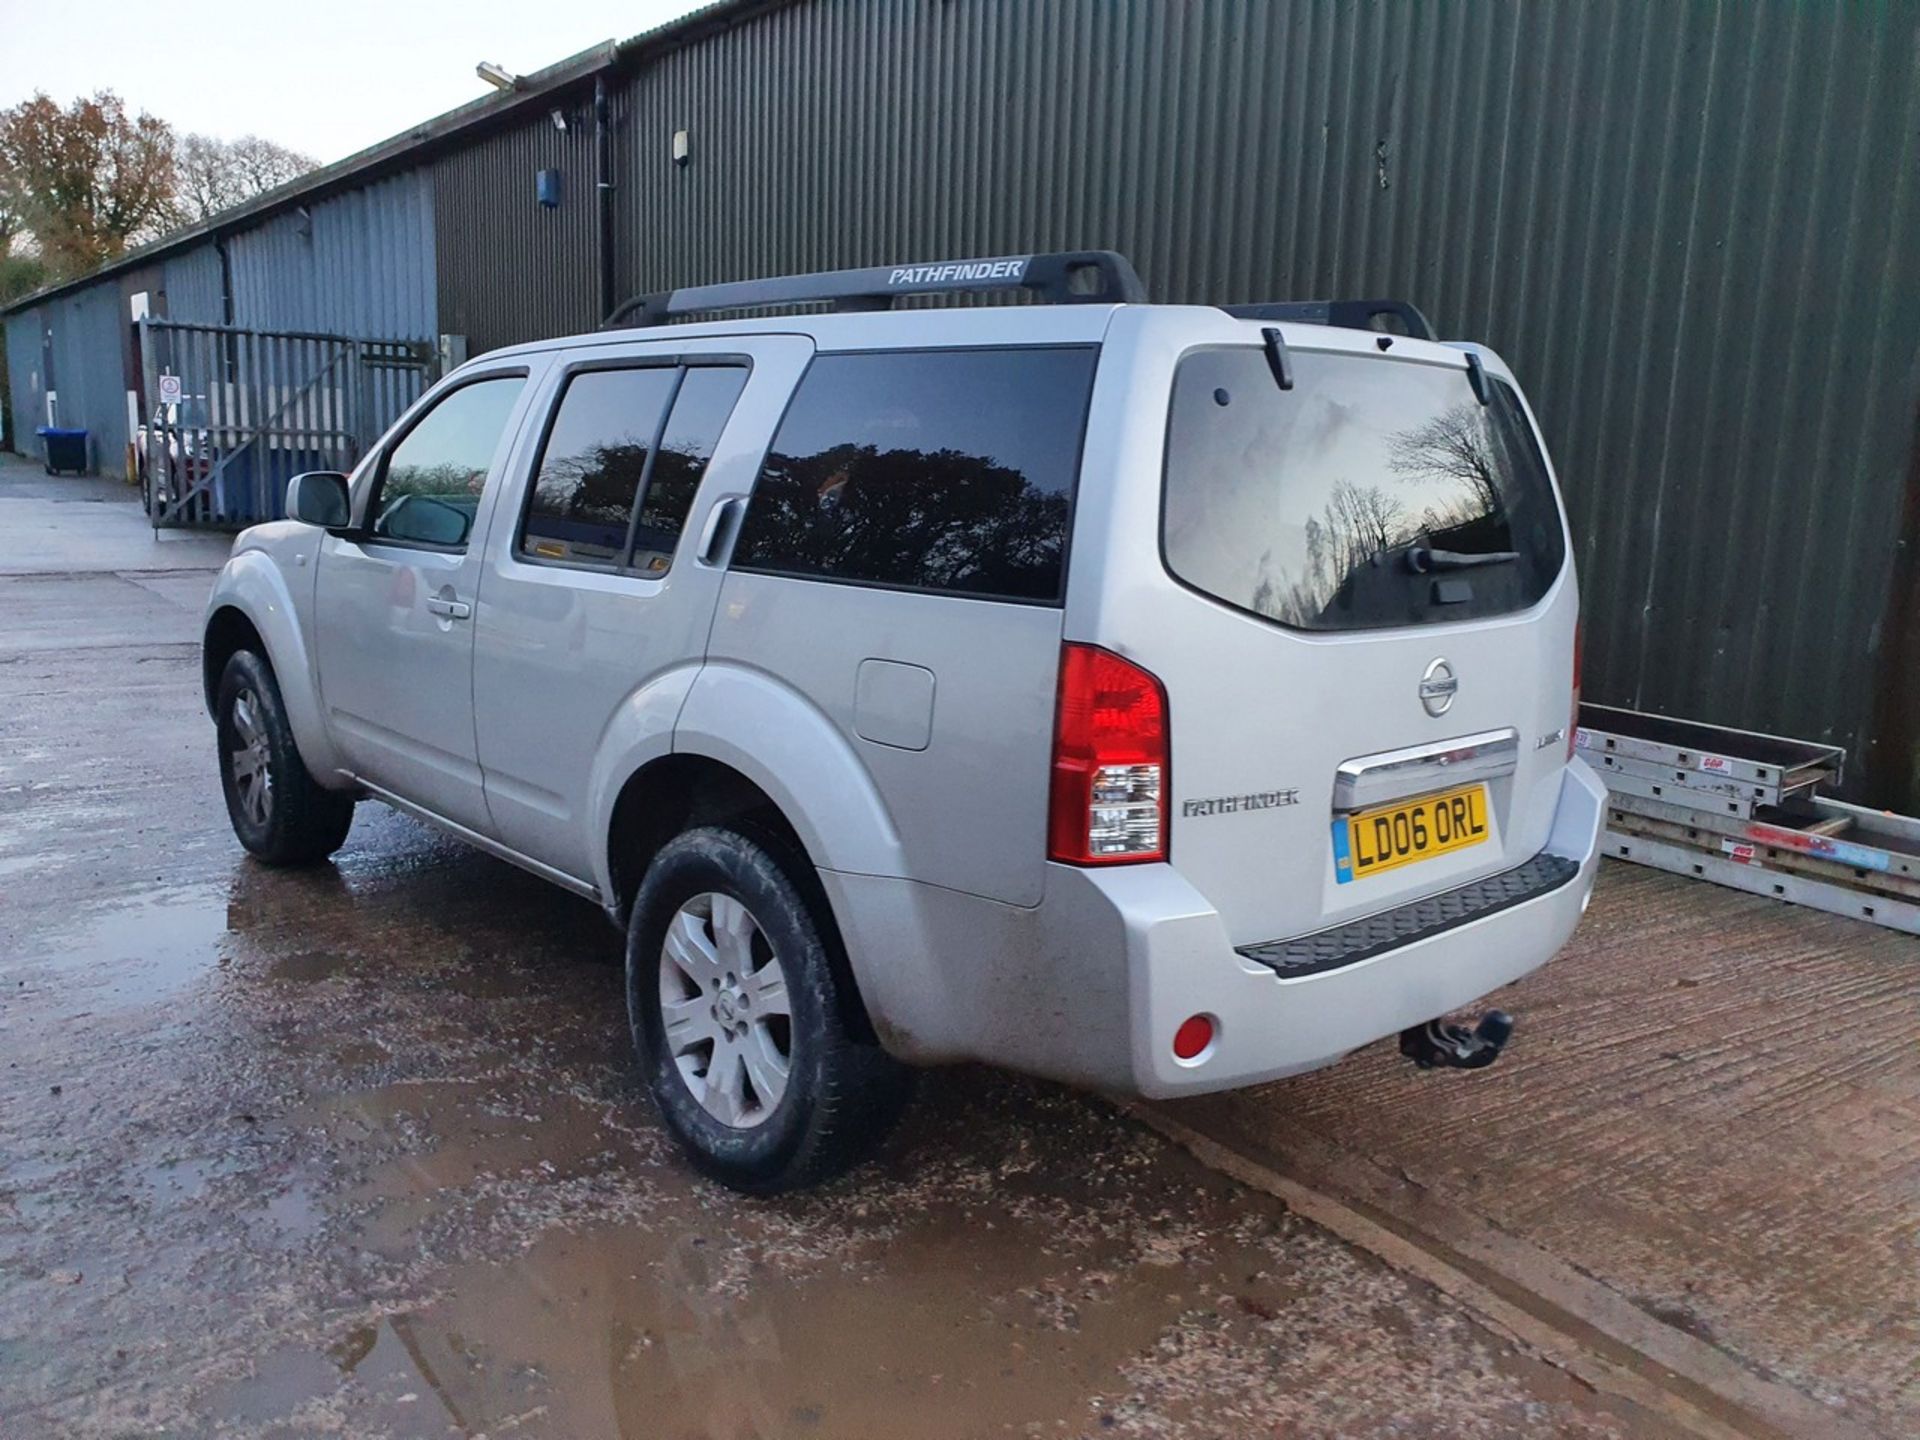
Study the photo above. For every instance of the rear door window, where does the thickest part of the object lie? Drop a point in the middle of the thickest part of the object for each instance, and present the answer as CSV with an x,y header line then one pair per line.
x,y
1376,492
941,470
700,412
622,440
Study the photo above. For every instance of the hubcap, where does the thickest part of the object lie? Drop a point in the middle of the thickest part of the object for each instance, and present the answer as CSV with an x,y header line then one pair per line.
x,y
724,1004
252,774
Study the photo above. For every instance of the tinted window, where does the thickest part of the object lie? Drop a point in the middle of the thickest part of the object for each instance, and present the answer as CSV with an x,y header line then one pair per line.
x,y
434,476
592,464
700,413
941,470
1376,492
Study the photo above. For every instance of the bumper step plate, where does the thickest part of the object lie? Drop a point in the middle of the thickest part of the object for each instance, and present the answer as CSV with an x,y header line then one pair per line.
x,y
1372,935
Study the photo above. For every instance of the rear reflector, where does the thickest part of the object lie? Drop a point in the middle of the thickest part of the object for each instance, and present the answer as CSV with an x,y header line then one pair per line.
x,y
1107,804
1193,1037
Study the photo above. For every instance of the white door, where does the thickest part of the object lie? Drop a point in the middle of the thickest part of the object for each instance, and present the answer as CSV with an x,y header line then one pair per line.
x,y
594,600
394,601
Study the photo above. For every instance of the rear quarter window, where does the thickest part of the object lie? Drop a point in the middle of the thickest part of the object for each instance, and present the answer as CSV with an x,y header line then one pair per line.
x,y
1376,492
940,470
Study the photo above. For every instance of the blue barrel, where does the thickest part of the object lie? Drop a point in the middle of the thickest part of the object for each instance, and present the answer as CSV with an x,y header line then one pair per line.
x,y
65,449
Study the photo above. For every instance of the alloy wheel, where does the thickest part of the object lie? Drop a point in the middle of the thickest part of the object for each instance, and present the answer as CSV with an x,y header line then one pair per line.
x,y
250,760
726,1011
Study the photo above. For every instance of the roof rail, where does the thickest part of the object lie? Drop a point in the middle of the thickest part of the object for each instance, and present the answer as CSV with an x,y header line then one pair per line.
x,y
1066,277
1346,314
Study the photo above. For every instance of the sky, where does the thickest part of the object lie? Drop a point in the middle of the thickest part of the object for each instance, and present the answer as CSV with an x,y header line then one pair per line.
x,y
327,78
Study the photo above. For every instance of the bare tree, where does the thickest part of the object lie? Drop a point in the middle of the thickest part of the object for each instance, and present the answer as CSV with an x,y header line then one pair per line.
x,y
216,175
1363,522
1454,445
92,180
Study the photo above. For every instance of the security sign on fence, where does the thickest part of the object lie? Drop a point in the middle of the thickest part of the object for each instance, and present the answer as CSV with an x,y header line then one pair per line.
x,y
231,415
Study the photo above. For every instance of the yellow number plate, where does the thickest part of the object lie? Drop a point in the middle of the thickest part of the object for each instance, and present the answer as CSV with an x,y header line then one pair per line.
x,y
1395,835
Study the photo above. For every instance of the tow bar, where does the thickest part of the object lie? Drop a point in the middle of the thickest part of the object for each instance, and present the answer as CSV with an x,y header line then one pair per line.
x,y
1436,1044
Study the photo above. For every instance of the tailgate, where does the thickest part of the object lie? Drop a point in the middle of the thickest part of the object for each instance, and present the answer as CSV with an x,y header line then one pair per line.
x,y
1363,614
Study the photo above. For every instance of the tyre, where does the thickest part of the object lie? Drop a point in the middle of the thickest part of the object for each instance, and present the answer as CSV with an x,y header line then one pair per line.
x,y
739,1019
279,813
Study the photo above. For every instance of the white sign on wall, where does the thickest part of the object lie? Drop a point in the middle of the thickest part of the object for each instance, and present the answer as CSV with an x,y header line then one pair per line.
x,y
169,389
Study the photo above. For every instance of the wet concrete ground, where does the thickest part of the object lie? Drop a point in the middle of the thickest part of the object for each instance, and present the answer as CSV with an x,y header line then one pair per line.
x,y
1713,1111
359,1150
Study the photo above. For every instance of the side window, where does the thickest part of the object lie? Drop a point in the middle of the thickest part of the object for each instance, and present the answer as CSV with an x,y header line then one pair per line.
x,y
700,412
431,485
609,449
592,465
944,470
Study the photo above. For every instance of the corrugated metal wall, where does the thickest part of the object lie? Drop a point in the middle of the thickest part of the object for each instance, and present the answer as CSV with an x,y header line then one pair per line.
x,y
91,349
510,269
1681,223
87,339
358,263
191,280
26,384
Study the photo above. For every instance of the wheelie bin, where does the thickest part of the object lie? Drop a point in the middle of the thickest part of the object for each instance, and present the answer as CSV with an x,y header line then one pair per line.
x,y
65,449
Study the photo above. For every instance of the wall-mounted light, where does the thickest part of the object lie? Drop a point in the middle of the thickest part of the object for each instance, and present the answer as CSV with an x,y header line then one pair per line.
x,y
680,147
497,76
559,118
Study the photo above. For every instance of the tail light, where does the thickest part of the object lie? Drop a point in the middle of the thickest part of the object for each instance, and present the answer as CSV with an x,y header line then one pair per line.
x,y
1108,802
1573,720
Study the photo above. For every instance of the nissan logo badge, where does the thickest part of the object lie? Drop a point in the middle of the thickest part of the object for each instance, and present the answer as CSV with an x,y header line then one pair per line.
x,y
1438,687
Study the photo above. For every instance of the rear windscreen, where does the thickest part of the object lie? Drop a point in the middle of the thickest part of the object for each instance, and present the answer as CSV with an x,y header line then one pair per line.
x,y
1376,492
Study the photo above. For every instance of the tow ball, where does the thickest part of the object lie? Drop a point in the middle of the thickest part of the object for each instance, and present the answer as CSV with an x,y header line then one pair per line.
x,y
1456,1047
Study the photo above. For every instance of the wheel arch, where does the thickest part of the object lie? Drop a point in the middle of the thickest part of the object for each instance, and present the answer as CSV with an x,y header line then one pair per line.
x,y
681,791
229,631
251,608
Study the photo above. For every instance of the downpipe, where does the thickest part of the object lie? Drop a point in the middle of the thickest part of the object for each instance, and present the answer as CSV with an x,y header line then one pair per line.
x,y
603,193
1440,1046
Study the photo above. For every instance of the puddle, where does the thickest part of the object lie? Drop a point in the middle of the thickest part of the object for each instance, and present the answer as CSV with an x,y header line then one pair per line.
x,y
727,1318
976,1282
136,951
949,1339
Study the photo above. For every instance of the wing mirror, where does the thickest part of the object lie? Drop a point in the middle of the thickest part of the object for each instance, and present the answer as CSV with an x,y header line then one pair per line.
x,y
319,497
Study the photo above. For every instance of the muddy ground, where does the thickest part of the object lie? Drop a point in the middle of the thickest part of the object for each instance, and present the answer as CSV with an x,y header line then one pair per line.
x,y
359,1150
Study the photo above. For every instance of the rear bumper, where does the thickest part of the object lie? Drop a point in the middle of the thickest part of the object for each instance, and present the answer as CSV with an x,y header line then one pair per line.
x,y
1090,985
1267,1025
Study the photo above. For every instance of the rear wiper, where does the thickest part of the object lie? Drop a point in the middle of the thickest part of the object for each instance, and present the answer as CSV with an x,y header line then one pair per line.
x,y
1278,360
1424,558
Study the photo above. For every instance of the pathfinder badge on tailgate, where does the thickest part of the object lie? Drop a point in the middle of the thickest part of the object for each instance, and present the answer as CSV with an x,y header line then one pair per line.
x,y
1232,804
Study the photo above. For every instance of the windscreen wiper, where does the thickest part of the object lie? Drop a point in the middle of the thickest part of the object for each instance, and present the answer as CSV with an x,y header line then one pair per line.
x,y
1278,360
1424,558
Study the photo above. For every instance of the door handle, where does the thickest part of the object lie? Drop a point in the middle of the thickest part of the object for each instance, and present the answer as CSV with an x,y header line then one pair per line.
x,y
715,527
451,609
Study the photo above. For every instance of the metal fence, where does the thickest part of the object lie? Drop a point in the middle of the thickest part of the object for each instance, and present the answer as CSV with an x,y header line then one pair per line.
x,y
229,416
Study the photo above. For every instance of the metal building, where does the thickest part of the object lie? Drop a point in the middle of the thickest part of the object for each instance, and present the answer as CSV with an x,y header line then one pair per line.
x,y
1687,226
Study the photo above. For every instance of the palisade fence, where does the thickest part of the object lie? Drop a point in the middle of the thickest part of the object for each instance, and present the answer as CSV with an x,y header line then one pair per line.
x,y
229,416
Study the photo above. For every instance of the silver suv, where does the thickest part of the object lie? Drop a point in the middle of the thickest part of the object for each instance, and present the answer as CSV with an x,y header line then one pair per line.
x,y
1157,698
